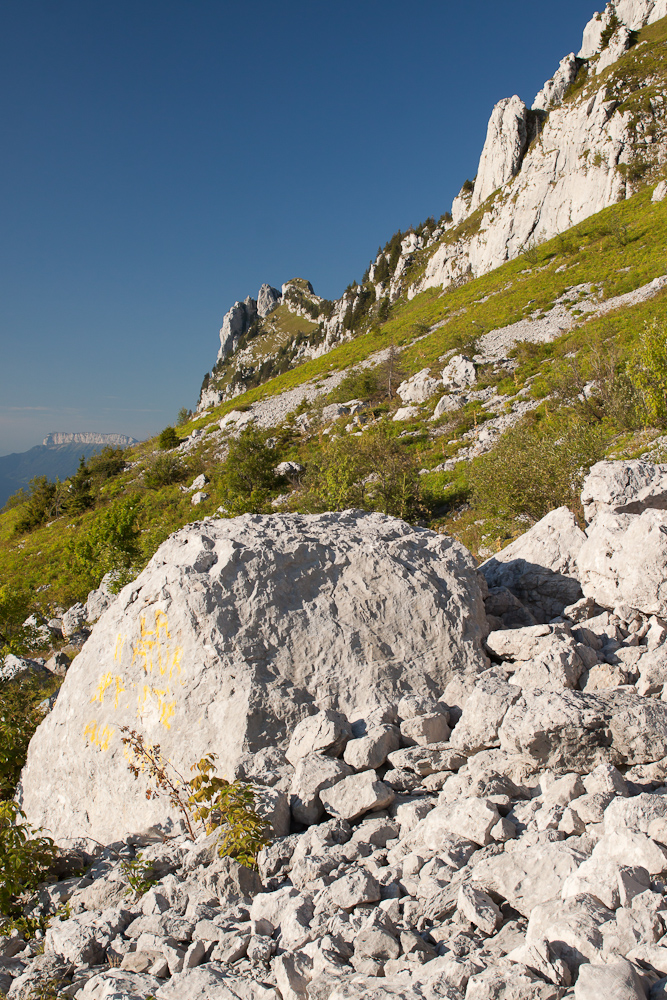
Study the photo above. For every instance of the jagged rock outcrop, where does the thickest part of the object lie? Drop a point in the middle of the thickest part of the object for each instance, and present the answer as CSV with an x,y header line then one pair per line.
x,y
235,631
504,837
87,437
506,142
234,325
267,300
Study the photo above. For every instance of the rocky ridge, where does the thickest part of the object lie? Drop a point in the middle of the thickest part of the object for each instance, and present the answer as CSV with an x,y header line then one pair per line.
x,y
501,836
582,146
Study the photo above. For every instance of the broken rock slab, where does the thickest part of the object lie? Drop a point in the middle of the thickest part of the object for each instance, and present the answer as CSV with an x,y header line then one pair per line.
x,y
540,567
199,657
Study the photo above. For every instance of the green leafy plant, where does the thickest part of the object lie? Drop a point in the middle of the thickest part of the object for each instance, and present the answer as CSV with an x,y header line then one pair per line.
x,y
110,545
206,801
168,439
25,857
139,874
647,371
165,470
20,714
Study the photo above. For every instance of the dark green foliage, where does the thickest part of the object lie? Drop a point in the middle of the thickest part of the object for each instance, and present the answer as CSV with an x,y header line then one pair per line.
x,y
359,384
537,466
183,416
110,545
468,186
20,715
165,470
78,494
383,310
373,472
168,439
609,31
44,502
16,604
25,858
381,270
359,311
246,480
109,463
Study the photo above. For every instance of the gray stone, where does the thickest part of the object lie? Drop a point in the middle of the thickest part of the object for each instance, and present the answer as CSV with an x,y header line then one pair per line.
x,y
617,981
313,773
478,907
623,560
360,793
372,750
425,729
201,659
73,619
540,567
267,300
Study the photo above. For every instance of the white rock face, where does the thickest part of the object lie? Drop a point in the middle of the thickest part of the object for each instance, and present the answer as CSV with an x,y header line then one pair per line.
x,y
234,325
660,192
406,413
554,89
624,488
419,388
235,631
267,300
624,561
459,373
541,567
506,141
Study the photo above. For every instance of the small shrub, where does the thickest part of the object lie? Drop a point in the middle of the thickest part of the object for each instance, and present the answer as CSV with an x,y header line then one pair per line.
x,y
20,716
25,857
139,874
109,545
168,439
647,371
43,503
183,416
537,466
165,470
205,801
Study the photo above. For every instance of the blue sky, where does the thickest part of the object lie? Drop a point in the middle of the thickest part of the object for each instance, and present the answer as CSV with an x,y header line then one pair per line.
x,y
162,158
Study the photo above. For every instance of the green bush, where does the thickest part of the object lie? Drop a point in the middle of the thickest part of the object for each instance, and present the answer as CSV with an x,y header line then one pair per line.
x,y
168,439
109,545
647,371
16,604
25,858
165,470
43,503
20,716
246,481
371,472
536,467
205,801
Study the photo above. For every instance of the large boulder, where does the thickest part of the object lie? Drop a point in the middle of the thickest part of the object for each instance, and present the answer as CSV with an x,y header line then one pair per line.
x,y
540,567
624,561
624,488
235,631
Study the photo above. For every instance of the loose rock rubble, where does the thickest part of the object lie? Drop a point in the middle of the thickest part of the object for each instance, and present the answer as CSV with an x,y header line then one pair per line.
x,y
503,839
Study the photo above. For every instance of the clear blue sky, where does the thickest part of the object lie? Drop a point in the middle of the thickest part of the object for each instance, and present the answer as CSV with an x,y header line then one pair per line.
x,y
162,158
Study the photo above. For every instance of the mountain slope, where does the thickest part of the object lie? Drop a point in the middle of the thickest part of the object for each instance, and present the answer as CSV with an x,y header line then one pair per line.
x,y
57,458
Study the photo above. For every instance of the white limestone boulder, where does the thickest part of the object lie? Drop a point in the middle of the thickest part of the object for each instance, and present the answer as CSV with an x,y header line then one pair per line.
x,y
238,629
624,488
459,373
624,561
540,567
418,388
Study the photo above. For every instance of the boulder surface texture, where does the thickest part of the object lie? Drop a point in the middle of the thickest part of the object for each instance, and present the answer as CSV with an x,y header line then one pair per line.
x,y
235,631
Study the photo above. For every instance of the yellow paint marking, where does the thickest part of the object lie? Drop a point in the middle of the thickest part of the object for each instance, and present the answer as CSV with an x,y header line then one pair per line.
x,y
118,651
99,736
120,689
106,680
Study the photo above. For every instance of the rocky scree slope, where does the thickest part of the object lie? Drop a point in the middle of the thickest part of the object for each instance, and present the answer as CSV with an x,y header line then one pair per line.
x,y
499,838
593,136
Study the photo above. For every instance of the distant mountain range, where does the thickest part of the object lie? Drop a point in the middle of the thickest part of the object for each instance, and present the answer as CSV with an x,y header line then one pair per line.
x,y
57,458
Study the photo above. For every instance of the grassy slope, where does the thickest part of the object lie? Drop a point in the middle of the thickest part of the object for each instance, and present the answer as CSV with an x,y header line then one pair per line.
x,y
620,249
592,251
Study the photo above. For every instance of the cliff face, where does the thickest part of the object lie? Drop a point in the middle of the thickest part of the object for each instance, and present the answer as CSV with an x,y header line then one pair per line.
x,y
593,135
59,438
